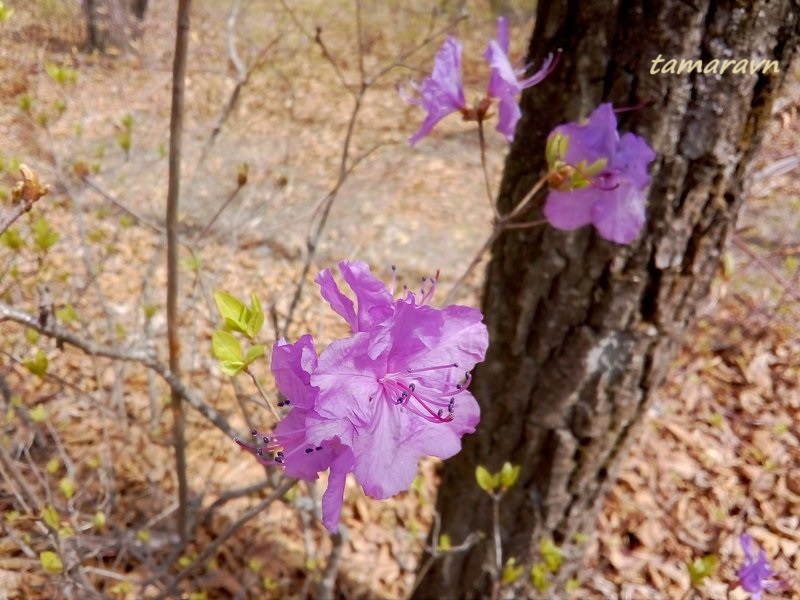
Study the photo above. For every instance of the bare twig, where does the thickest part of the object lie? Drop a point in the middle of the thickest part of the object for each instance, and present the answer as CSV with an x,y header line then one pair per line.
x,y
327,585
173,195
498,546
435,553
263,395
141,356
501,224
787,286
111,198
346,165
226,533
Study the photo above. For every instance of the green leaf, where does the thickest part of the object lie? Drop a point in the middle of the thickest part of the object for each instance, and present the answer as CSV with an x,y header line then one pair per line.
x,y
38,413
53,465
253,353
553,555
231,367
226,347
572,585
51,562
37,365
539,577
484,478
12,239
700,568
444,542
66,314
67,487
256,320
511,571
122,588
508,475
43,235
31,336
99,520
5,12
50,516
233,312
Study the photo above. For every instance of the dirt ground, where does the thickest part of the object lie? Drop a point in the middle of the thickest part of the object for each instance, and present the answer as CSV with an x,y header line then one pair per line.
x,y
719,454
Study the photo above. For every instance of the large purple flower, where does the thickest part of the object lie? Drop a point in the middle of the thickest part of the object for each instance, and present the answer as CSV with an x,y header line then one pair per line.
x,y
376,402
443,92
608,177
755,575
505,83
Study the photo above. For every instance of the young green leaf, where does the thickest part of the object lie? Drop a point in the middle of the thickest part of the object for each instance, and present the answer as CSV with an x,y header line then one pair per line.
x,y
225,346
539,577
37,365
553,555
700,568
50,516
235,314
51,562
44,236
508,475
485,479
511,571
254,353
256,320
67,487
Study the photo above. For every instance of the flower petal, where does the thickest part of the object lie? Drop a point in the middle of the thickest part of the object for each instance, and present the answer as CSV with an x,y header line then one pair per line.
x,y
375,303
292,365
443,92
569,210
619,214
334,495
341,304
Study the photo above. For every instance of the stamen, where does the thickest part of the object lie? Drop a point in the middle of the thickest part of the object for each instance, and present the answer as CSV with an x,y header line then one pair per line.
x,y
437,367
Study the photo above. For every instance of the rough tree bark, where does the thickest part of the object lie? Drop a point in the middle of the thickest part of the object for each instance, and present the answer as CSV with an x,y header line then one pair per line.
x,y
582,331
107,23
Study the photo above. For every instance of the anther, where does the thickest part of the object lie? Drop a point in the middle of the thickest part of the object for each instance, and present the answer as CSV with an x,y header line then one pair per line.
x,y
254,432
309,450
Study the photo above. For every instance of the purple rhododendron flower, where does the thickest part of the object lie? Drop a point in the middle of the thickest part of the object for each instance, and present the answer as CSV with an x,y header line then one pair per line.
x,y
443,92
755,575
613,199
376,402
505,83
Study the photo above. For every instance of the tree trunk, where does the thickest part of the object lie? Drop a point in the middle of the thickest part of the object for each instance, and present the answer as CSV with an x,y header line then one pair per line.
x,y
106,24
582,330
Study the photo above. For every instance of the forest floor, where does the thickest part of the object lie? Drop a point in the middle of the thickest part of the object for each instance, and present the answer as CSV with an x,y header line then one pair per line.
x,y
87,447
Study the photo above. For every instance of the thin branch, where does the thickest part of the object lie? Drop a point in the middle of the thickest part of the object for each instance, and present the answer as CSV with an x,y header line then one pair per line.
x,y
327,585
345,167
501,224
144,357
173,196
111,198
226,533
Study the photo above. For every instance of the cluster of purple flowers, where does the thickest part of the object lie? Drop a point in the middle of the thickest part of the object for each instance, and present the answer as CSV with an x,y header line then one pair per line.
x,y
374,403
601,176
443,92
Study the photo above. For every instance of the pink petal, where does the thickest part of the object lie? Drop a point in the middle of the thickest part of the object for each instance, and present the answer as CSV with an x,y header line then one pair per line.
x,y
569,210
